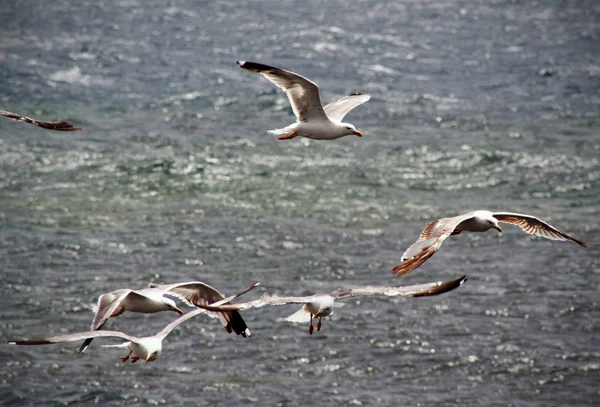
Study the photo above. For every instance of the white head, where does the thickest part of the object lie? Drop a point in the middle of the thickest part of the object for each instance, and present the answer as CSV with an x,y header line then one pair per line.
x,y
148,348
349,129
487,219
171,305
324,306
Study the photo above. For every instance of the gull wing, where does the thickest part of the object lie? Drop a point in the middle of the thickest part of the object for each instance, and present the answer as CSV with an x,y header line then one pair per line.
x,y
418,290
339,109
302,93
200,310
60,126
197,292
74,337
534,226
107,304
261,302
429,241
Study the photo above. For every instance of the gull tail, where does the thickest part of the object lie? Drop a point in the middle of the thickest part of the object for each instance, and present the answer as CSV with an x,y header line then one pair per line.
x,y
301,315
279,132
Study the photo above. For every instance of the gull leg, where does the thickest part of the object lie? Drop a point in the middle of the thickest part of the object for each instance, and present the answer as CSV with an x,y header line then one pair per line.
x,y
319,325
134,359
288,136
124,358
310,327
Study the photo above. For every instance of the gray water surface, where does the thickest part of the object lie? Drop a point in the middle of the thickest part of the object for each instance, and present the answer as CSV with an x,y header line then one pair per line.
x,y
493,106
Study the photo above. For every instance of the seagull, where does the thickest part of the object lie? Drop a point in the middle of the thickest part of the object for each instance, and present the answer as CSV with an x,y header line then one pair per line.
x,y
436,232
322,305
60,126
147,348
313,120
152,299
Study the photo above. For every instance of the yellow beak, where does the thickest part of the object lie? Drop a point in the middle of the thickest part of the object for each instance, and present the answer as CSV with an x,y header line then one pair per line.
x,y
358,133
498,228
180,312
148,359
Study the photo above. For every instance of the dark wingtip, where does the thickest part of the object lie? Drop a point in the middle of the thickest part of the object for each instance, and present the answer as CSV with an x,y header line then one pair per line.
x,y
238,325
255,66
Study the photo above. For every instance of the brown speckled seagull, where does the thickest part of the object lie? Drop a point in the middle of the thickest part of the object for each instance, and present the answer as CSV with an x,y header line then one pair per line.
x,y
436,232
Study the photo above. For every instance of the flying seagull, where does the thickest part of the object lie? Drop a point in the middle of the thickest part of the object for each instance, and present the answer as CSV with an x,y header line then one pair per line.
x,y
152,299
436,232
313,120
147,348
321,305
60,126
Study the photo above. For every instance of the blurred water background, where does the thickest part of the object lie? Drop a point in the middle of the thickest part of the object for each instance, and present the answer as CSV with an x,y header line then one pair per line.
x,y
475,105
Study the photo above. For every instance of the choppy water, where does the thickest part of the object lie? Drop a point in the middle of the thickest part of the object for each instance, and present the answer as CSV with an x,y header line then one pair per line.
x,y
174,178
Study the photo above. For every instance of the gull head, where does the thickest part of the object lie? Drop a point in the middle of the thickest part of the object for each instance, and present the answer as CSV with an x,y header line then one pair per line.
x,y
172,306
152,356
148,348
322,307
494,224
349,129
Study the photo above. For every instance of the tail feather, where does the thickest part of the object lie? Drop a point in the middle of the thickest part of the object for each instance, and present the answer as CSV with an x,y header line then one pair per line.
x,y
279,132
301,315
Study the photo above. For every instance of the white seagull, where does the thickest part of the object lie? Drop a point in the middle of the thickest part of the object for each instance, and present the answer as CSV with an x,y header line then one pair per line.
x,y
322,305
436,232
152,299
313,120
147,348
60,126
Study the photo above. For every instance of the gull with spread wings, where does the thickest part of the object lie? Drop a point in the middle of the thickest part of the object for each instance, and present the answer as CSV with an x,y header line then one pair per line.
x,y
60,126
313,120
322,305
153,299
436,232
147,348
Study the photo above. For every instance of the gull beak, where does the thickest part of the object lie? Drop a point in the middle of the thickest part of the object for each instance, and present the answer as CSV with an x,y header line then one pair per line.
x,y
318,314
358,133
148,359
498,228
177,310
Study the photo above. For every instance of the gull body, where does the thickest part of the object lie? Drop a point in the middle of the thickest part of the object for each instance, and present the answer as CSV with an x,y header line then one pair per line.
x,y
147,348
154,299
434,234
313,120
322,305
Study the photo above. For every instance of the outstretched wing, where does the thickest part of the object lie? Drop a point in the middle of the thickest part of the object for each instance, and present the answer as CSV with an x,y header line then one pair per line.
x,y
107,304
200,310
418,290
74,337
535,226
261,302
339,109
429,241
60,126
197,292
302,93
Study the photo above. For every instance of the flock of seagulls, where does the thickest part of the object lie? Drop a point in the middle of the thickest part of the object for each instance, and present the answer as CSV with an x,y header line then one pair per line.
x,y
313,121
